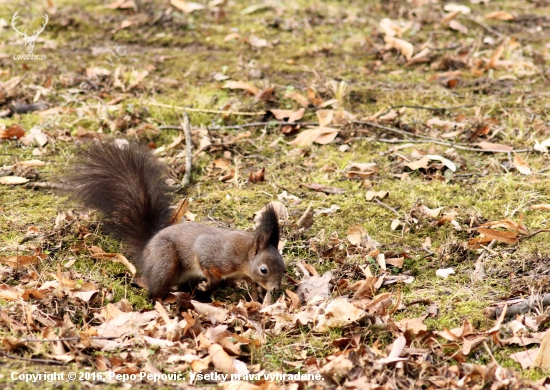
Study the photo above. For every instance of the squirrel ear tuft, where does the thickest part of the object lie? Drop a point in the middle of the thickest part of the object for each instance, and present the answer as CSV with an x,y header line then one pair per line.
x,y
267,231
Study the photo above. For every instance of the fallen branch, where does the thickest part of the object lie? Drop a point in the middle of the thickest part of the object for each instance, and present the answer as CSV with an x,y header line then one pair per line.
x,y
188,151
523,306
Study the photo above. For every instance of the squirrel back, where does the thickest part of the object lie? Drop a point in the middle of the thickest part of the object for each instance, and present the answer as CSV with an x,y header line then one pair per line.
x,y
125,183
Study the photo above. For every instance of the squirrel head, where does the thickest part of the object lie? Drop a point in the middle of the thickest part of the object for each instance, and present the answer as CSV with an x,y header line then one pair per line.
x,y
267,267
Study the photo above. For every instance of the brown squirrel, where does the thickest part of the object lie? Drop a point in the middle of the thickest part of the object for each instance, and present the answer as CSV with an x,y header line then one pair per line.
x,y
126,183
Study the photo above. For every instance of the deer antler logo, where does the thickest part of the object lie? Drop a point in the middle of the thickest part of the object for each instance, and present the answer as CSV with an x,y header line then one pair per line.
x,y
29,41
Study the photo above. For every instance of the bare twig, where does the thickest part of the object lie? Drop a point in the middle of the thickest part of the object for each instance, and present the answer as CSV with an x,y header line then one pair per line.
x,y
489,29
479,268
388,207
189,109
42,361
65,339
436,141
433,108
188,150
246,125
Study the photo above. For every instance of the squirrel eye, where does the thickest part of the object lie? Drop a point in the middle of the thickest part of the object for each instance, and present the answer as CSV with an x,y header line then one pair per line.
x,y
263,269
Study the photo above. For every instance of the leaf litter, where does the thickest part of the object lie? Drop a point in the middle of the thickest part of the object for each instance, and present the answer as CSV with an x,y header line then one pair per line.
x,y
359,294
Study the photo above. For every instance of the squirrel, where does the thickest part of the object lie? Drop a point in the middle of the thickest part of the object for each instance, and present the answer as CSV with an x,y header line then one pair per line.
x,y
125,182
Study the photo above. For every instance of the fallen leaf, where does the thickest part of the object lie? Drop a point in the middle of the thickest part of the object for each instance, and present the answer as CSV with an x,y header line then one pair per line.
x,y
422,163
186,7
390,28
495,57
376,194
493,146
10,293
14,131
447,125
415,324
545,207
525,358
457,26
499,15
257,42
448,163
406,48
298,97
521,165
306,220
257,176
542,358
242,85
13,180
505,237
338,313
397,348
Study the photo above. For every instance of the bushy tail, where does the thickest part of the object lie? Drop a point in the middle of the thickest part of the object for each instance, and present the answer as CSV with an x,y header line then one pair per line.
x,y
126,183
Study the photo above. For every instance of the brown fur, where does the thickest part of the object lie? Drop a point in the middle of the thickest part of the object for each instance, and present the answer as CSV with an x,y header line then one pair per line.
x,y
127,186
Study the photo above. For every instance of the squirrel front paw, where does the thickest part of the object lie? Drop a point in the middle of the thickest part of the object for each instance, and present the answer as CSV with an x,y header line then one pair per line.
x,y
204,285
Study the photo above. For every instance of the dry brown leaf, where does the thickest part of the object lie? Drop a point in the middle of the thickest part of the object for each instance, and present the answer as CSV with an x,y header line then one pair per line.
x,y
325,117
542,358
294,299
397,348
525,358
447,125
508,224
422,163
338,313
495,57
296,115
186,7
216,313
510,238
406,48
499,15
544,206
314,288
281,114
450,16
415,324
255,41
521,165
18,262
390,28
14,131
356,233
306,220
396,261
242,85
117,258
257,176
179,211
13,180
376,194
10,293
298,97
493,146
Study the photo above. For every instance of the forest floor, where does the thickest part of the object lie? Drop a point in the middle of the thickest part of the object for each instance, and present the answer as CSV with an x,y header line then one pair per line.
x,y
413,170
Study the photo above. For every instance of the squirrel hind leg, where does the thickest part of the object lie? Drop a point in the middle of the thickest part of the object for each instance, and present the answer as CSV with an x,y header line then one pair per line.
x,y
162,272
